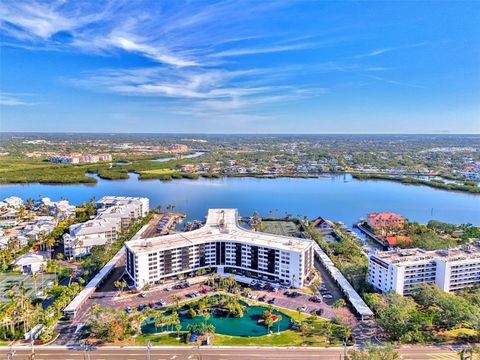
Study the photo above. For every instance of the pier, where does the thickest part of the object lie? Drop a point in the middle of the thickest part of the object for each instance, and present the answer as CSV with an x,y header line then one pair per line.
x,y
370,234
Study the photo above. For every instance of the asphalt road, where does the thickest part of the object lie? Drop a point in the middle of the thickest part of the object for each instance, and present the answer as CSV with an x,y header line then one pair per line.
x,y
137,353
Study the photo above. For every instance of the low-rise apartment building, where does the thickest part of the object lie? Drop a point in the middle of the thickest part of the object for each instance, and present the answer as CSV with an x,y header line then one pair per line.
x,y
223,245
77,158
115,215
403,270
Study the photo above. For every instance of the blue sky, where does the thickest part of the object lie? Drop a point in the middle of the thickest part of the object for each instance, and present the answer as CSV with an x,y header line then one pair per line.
x,y
240,66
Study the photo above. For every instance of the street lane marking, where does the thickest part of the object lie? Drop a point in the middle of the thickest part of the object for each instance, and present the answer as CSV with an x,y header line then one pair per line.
x,y
444,356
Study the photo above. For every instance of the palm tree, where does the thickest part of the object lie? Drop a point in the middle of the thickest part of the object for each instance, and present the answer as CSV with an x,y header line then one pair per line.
x,y
206,317
279,318
299,312
49,242
35,278
159,320
174,319
176,300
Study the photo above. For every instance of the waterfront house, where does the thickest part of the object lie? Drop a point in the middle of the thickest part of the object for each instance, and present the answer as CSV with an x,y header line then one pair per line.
x,y
382,220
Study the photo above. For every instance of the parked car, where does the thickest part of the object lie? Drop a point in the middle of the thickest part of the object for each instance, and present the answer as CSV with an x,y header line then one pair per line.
x,y
315,299
303,308
319,312
142,295
128,309
262,298
327,296
271,301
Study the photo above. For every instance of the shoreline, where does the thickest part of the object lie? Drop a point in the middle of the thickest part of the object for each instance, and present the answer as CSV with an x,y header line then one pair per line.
x,y
91,179
466,189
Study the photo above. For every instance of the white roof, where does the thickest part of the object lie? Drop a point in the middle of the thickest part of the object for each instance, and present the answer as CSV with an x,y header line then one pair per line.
x,y
221,225
28,259
13,201
357,302
94,226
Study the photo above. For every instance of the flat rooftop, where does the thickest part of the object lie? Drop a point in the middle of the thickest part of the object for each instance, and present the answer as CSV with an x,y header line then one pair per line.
x,y
221,225
414,255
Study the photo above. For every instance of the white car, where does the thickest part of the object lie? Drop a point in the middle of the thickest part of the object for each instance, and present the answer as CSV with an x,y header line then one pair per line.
x,y
303,308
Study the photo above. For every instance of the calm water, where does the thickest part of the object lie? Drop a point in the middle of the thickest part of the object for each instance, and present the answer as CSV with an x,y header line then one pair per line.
x,y
191,156
334,197
244,326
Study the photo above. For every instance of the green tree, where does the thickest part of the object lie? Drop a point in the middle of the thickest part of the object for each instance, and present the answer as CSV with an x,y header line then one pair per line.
x,y
374,352
339,303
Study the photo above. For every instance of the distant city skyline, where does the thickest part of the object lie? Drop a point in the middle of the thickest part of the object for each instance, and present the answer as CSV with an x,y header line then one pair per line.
x,y
280,67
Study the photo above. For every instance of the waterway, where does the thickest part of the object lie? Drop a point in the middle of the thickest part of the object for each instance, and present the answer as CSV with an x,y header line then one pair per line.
x,y
189,156
339,198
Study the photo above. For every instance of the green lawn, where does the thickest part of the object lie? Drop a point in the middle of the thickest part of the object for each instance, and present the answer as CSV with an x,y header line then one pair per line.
x,y
161,339
285,338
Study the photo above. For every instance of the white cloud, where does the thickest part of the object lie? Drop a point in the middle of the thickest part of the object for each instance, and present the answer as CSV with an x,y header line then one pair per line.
x,y
262,50
12,99
382,51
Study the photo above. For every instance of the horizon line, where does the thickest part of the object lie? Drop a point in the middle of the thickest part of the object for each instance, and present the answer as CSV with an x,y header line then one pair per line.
x,y
233,133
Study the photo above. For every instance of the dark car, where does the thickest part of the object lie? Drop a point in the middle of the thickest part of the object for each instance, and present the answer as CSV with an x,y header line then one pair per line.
x,y
315,299
262,298
271,301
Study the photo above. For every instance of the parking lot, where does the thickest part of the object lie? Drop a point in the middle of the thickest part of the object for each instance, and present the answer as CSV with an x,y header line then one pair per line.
x,y
287,298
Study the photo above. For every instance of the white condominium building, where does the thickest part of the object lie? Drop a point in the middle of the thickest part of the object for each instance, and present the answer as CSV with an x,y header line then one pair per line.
x,y
142,204
402,270
115,215
223,245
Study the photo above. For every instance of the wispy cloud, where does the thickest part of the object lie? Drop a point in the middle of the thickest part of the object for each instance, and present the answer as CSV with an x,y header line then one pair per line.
x,y
263,50
198,55
382,51
15,99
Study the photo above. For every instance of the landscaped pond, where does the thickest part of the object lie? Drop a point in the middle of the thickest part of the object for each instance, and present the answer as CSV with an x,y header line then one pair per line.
x,y
248,325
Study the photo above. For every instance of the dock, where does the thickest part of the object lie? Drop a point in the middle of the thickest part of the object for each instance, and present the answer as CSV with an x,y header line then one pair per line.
x,y
370,234
163,223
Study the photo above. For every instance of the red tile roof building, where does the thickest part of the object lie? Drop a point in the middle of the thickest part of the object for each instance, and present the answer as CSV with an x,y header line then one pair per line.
x,y
395,240
386,220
